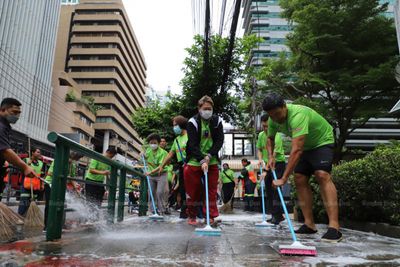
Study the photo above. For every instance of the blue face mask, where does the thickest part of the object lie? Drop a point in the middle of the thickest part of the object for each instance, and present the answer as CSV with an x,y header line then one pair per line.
x,y
177,130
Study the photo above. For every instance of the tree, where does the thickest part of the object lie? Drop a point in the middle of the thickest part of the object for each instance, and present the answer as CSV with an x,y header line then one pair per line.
x,y
194,86
156,118
343,56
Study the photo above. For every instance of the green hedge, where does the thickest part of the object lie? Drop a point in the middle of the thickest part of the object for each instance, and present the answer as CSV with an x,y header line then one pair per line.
x,y
368,188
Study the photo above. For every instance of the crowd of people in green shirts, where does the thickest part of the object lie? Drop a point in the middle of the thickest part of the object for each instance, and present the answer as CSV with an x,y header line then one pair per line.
x,y
195,152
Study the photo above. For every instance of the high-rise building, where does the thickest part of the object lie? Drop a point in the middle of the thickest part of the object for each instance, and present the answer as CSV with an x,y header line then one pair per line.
x,y
263,18
27,42
97,49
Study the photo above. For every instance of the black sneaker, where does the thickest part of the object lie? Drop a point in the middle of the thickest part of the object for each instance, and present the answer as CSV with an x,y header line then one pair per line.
x,y
305,230
332,236
167,212
277,219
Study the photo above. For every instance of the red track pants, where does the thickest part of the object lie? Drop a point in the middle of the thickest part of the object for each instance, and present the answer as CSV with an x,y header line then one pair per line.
x,y
195,194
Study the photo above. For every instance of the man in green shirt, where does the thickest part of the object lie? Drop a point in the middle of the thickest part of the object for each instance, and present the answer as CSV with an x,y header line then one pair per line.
x,y
272,198
37,165
155,156
229,184
311,154
178,150
97,173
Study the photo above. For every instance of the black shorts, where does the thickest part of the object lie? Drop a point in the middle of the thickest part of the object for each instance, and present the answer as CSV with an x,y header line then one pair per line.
x,y
318,159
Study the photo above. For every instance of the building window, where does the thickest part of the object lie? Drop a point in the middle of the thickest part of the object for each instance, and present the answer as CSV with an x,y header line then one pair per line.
x,y
95,81
83,136
69,2
90,12
92,69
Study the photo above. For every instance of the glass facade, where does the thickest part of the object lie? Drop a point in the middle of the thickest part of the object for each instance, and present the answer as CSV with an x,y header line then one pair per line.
x,y
28,32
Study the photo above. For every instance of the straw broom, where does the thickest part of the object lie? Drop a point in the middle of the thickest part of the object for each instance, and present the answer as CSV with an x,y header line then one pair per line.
x,y
9,222
34,217
227,207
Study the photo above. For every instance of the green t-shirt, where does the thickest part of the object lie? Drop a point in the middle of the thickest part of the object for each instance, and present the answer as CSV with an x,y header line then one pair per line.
x,y
228,178
262,145
182,140
36,166
72,171
155,158
206,143
302,120
97,165
170,172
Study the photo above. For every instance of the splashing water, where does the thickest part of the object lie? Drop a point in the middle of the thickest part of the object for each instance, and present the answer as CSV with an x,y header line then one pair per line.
x,y
83,211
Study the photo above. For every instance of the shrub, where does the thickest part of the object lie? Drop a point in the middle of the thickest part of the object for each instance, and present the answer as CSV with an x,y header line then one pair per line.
x,y
369,188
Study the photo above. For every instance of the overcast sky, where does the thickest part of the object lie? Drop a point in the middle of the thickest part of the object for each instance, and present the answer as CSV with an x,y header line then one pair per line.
x,y
164,29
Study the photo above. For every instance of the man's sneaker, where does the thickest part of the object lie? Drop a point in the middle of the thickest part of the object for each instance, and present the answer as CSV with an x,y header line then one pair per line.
x,y
192,221
332,236
305,230
167,212
277,219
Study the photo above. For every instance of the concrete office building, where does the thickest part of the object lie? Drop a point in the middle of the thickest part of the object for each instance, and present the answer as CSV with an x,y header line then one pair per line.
x,y
100,53
262,17
27,42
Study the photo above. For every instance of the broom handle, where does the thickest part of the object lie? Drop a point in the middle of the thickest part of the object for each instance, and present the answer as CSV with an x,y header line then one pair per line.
x,y
284,208
148,183
207,202
31,189
262,195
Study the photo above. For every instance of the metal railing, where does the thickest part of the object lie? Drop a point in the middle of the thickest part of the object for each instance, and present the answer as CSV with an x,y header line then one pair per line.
x,y
60,177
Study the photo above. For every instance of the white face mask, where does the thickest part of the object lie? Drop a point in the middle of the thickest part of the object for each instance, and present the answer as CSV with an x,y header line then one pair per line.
x,y
154,146
206,114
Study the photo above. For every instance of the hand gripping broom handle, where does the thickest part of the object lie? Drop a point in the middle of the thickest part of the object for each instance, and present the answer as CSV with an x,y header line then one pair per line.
x,y
284,208
262,195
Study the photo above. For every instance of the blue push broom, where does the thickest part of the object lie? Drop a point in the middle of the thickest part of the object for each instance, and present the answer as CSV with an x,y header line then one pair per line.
x,y
155,216
296,248
264,223
208,230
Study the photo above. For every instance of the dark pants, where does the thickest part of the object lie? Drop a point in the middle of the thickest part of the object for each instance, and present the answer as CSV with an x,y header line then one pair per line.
x,y
2,186
47,192
273,201
25,200
182,192
94,194
249,196
227,191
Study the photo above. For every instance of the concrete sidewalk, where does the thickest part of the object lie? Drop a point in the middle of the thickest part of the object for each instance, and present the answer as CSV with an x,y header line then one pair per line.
x,y
140,242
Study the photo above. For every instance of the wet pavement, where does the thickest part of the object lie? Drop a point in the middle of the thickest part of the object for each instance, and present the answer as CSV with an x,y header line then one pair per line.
x,y
141,242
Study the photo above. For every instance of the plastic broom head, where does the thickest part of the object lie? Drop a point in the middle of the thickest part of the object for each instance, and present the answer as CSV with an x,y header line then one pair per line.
x,y
297,249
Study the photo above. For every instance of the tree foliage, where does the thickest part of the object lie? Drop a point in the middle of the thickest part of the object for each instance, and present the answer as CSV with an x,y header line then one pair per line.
x,y
195,86
343,58
158,118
